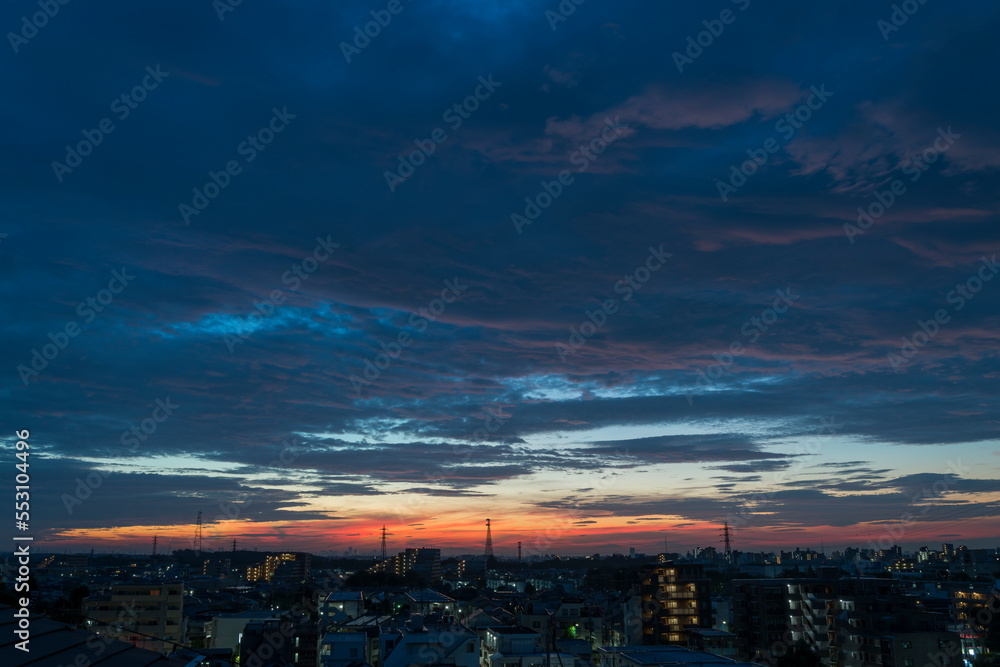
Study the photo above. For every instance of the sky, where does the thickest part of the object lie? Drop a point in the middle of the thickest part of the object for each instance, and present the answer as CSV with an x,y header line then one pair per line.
x,y
608,274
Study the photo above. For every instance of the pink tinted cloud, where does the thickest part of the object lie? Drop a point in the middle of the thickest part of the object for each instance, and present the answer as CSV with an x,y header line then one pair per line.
x,y
656,108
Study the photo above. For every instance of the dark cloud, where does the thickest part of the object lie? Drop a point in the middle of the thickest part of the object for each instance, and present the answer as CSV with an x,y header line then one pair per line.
x,y
481,396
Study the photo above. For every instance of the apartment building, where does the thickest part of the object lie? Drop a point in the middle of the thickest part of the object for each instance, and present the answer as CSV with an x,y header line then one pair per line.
x,y
149,616
674,597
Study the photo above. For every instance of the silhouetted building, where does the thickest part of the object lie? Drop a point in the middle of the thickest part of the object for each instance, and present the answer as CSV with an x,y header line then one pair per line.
x,y
425,562
267,643
289,568
140,614
674,598
54,643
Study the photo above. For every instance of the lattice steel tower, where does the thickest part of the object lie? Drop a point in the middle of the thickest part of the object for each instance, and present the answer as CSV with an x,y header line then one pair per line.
x,y
489,541
728,548
384,552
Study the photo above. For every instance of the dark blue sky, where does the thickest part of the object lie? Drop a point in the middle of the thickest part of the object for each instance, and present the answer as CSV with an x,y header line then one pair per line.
x,y
729,314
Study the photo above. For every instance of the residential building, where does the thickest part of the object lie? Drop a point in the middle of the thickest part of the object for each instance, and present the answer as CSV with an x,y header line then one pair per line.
x,y
54,643
425,562
290,568
511,646
149,616
662,656
415,643
674,597
226,629
340,649
425,602
341,606
710,640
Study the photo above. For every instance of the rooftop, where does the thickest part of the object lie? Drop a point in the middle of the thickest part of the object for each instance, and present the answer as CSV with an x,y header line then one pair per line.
x,y
54,643
511,630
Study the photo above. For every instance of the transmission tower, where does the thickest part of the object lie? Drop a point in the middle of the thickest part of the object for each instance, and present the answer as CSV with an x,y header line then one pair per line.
x,y
385,552
519,551
197,534
489,541
234,545
154,545
727,547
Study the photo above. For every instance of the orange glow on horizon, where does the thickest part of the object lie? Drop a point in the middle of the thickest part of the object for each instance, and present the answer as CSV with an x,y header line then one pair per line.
x,y
542,534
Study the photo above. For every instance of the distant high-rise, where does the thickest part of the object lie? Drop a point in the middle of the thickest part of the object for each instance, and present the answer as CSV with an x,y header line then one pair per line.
x,y
286,567
425,562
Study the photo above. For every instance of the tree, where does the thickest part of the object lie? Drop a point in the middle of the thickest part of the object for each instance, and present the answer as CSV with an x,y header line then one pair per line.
x,y
529,588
